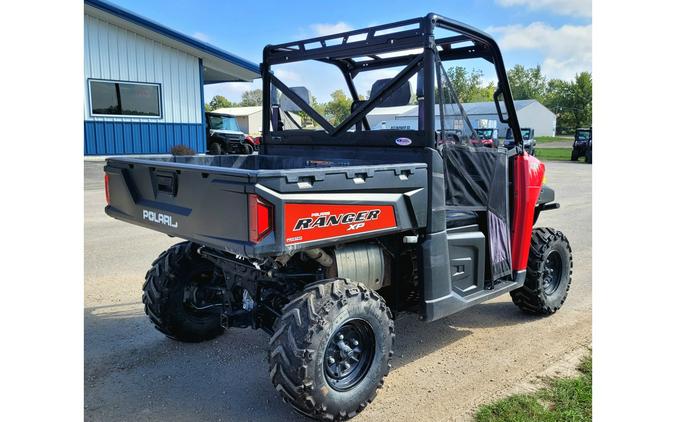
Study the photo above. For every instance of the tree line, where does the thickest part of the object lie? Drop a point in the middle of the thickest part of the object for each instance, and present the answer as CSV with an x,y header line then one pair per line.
x,y
571,101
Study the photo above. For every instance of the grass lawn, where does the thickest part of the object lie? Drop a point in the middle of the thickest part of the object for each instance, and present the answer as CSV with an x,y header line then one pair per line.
x,y
545,139
563,399
554,154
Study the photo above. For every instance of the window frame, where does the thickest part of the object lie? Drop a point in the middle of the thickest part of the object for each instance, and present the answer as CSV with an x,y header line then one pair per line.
x,y
130,116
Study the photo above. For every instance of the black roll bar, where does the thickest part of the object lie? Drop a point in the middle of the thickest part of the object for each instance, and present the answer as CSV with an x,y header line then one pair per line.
x,y
369,43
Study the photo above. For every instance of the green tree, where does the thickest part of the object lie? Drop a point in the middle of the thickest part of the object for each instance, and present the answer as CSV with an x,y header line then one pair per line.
x,y
218,101
571,101
582,94
318,107
251,98
527,84
338,108
468,85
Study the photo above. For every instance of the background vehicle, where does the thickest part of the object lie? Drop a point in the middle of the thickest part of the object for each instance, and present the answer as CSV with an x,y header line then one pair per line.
x,y
529,142
488,137
328,233
224,135
582,143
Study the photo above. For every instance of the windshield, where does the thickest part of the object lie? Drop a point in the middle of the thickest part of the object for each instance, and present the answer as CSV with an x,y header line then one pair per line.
x,y
484,133
524,132
223,123
583,135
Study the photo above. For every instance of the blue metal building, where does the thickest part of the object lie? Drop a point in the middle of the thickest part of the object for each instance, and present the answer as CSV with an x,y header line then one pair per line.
x,y
144,83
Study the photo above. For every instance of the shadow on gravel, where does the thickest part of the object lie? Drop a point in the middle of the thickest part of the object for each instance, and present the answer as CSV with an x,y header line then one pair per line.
x,y
491,315
133,372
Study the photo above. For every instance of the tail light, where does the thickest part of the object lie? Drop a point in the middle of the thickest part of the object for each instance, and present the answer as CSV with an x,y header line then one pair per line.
x,y
260,218
107,189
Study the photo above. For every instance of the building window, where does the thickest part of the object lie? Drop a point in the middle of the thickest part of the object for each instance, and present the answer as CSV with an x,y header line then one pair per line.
x,y
128,99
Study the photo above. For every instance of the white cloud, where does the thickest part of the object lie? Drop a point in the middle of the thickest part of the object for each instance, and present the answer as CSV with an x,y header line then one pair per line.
x,y
580,8
321,29
287,76
201,36
566,50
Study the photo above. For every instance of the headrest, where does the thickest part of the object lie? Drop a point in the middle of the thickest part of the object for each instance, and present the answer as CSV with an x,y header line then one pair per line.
x,y
287,105
398,97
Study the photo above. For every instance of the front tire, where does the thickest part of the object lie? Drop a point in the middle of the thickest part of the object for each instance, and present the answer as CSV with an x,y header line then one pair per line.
x,y
175,297
215,148
589,156
331,349
549,273
575,155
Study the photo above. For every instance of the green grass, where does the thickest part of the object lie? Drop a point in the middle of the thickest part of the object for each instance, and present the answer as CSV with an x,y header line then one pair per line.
x,y
545,139
554,154
563,399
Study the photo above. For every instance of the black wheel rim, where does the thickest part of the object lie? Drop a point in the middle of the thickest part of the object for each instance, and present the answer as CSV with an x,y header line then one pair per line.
x,y
552,272
349,354
201,297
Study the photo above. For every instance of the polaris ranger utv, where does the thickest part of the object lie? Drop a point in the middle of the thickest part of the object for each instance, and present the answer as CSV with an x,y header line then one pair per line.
x,y
527,134
329,233
582,146
223,135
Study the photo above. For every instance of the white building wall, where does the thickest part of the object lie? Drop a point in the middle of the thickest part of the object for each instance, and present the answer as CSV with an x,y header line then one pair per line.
x,y
114,53
539,118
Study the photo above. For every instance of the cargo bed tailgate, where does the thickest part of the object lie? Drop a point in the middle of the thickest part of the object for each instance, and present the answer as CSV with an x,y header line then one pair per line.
x,y
192,203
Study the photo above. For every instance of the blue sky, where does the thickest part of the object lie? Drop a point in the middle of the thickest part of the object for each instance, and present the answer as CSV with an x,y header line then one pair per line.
x,y
555,34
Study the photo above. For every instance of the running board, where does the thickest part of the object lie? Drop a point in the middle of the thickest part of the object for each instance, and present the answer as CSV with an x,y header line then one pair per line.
x,y
453,303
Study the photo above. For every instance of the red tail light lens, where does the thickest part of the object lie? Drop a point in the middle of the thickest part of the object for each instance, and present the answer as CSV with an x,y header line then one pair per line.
x,y
107,189
260,218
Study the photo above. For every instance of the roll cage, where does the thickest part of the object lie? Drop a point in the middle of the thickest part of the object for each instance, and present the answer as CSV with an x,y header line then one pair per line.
x,y
362,50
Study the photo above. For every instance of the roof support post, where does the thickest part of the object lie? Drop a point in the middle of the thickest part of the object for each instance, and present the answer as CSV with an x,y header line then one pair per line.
x,y
429,79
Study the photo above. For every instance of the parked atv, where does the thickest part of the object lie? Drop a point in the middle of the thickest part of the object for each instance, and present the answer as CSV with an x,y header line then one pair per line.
x,y
225,137
582,144
332,232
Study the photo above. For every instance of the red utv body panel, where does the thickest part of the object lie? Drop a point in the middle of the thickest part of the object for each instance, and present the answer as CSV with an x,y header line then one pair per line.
x,y
309,222
528,177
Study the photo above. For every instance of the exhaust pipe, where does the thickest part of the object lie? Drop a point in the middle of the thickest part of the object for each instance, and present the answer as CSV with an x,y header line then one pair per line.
x,y
320,256
324,259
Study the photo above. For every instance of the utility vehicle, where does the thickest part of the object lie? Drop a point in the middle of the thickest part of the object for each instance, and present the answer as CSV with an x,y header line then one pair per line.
x,y
329,233
527,134
223,135
488,137
582,144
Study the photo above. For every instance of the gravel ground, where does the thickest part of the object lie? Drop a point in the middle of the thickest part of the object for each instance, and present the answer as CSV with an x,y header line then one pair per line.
x,y
441,371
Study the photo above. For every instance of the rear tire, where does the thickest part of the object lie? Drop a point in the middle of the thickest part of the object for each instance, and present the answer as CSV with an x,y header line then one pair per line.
x,y
331,349
175,275
248,149
575,155
549,273
589,156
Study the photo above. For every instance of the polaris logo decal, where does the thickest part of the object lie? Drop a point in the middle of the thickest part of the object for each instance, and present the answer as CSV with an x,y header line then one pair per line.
x,y
404,142
309,222
159,218
326,219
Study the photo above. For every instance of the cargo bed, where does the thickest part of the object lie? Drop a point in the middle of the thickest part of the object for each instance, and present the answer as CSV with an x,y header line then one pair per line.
x,y
217,200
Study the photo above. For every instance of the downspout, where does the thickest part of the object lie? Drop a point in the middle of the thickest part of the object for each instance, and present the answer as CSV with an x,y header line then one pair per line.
x,y
202,108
